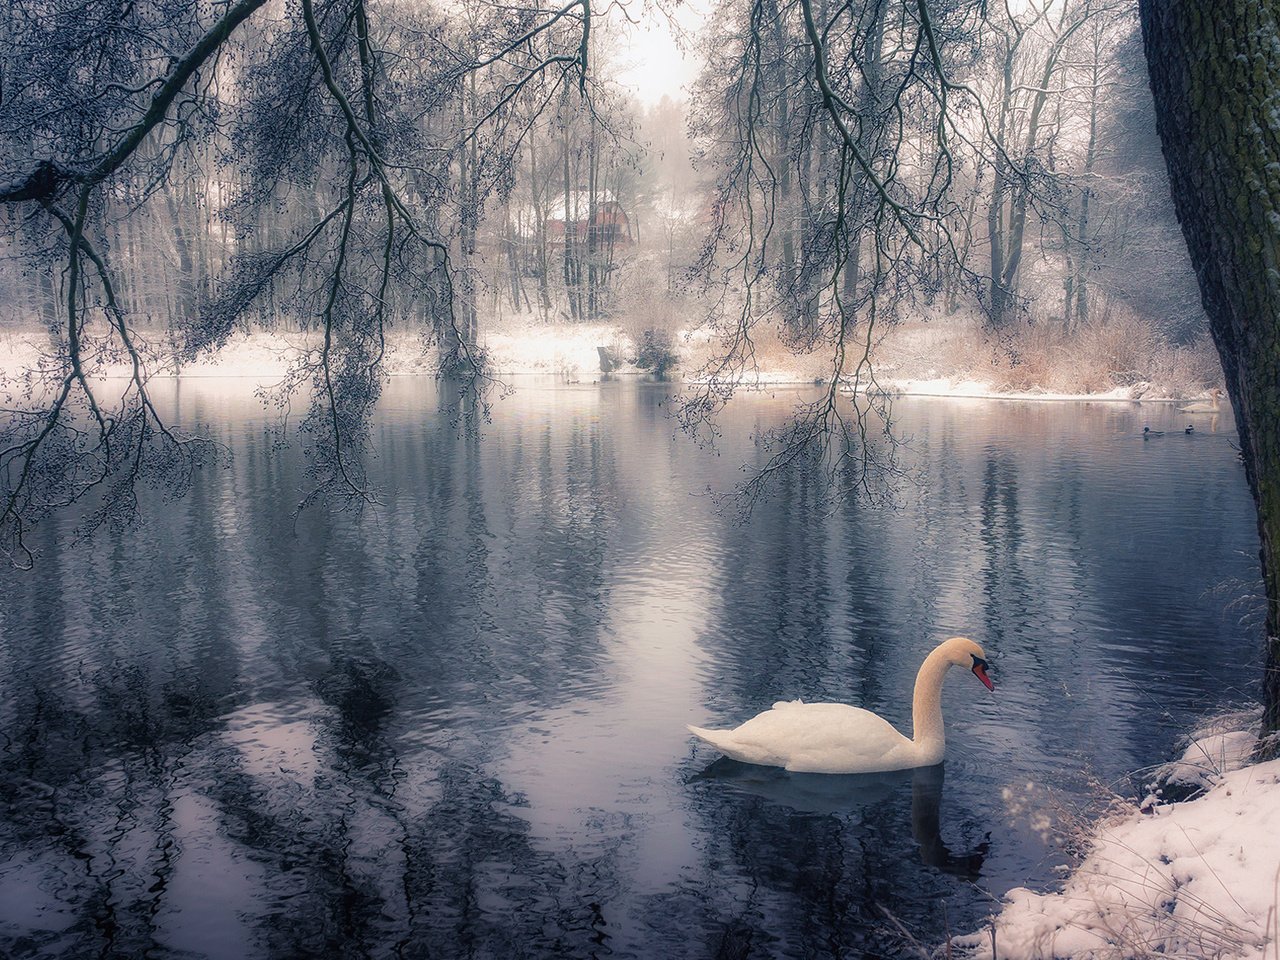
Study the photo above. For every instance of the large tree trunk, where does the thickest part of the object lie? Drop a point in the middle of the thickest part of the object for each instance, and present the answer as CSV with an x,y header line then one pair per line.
x,y
1215,74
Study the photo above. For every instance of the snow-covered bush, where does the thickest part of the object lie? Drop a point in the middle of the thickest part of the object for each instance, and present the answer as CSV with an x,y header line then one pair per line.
x,y
650,314
1116,352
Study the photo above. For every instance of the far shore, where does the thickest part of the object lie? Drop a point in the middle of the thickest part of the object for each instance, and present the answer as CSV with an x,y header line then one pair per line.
x,y
571,354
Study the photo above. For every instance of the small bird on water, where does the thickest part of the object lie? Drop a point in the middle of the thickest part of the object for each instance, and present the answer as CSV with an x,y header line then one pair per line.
x,y
1148,433
1191,428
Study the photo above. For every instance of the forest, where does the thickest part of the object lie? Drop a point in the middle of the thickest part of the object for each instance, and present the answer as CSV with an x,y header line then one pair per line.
x,y
972,191
1016,155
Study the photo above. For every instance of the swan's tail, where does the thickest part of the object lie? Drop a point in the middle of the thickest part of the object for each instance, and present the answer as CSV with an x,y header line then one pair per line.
x,y
717,738
726,743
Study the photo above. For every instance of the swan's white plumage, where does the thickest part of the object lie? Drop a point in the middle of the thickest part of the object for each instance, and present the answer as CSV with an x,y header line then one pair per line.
x,y
816,738
838,738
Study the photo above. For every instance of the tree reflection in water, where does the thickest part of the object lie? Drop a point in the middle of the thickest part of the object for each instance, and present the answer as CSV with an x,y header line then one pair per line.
x,y
454,726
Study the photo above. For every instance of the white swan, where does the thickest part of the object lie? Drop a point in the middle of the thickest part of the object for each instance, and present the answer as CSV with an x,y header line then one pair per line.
x,y
837,738
1201,406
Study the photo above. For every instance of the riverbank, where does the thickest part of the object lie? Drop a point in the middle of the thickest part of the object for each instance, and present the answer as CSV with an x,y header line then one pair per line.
x,y
920,358
1197,879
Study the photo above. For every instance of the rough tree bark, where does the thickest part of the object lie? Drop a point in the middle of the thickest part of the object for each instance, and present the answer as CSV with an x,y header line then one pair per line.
x,y
1215,75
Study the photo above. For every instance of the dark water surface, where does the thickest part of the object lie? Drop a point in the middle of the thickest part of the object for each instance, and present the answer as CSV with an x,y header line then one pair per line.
x,y
454,726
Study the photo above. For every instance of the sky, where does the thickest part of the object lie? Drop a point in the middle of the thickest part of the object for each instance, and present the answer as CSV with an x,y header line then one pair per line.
x,y
650,60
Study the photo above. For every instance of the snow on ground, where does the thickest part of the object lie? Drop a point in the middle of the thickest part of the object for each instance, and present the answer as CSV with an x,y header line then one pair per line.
x,y
982,389
19,351
566,350
1197,879
956,356
916,359
1211,753
262,356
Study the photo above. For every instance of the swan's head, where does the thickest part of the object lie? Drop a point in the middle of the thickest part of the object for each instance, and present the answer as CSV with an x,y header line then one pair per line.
x,y
963,652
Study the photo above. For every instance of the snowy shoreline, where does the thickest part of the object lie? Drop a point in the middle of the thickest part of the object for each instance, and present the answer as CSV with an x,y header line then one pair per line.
x,y
569,353
1197,879
979,390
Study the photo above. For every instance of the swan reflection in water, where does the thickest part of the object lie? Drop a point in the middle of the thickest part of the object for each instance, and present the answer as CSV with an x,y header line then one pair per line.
x,y
842,794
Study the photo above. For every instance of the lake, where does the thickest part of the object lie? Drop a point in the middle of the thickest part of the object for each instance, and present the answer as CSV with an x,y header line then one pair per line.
x,y
454,725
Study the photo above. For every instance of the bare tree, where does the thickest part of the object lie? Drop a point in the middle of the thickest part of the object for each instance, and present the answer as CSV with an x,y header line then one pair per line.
x,y
1031,48
837,100
357,109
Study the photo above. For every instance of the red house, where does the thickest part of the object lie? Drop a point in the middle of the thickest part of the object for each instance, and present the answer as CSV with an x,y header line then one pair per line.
x,y
576,218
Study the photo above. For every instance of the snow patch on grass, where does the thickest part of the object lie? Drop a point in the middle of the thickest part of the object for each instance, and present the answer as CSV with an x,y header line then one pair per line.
x,y
1197,879
1207,758
1114,359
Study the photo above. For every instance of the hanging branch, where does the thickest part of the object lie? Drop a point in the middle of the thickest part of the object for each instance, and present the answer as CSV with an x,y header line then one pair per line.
x,y
803,80
379,245
48,460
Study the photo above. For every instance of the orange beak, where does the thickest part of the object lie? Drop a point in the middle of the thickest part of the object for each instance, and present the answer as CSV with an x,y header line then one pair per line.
x,y
980,671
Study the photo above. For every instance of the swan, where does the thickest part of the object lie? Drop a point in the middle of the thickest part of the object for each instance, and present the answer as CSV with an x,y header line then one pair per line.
x,y
837,738
1203,407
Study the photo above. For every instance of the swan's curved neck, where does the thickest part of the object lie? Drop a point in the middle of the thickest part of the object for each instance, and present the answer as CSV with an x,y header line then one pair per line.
x,y
926,703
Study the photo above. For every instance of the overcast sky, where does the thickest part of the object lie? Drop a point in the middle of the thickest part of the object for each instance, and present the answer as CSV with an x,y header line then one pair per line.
x,y
650,60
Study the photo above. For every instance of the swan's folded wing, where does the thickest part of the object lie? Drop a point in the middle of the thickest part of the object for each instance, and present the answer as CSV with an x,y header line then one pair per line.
x,y
726,742
815,738
822,738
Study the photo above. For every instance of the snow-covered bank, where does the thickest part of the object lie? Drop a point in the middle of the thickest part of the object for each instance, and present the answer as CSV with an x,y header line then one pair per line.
x,y
984,390
567,351
571,351
1117,360
913,358
1196,879
261,356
